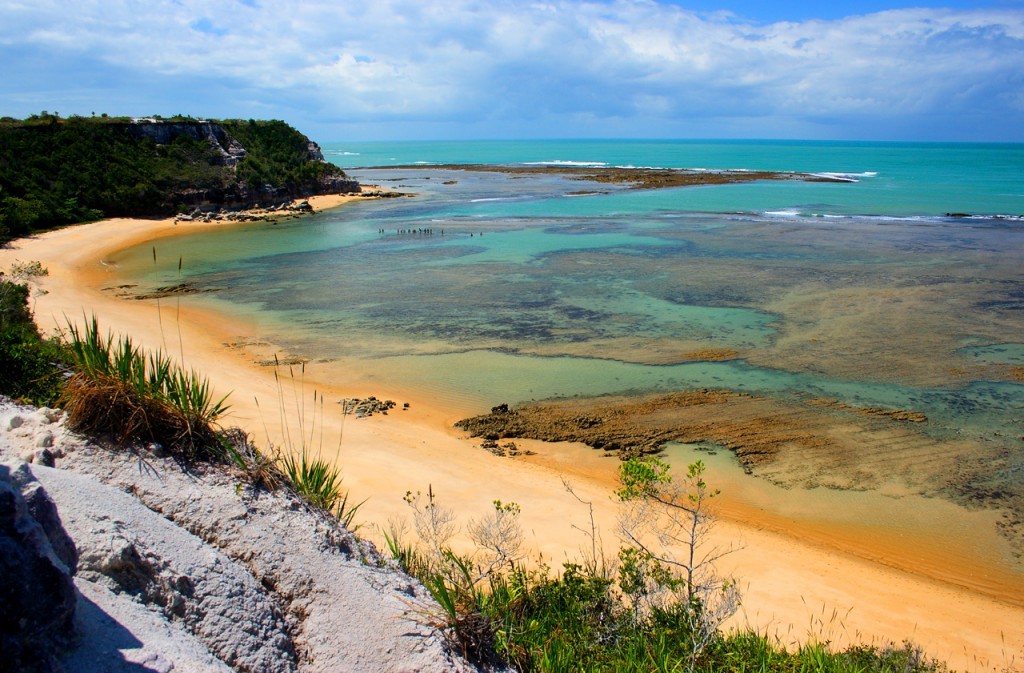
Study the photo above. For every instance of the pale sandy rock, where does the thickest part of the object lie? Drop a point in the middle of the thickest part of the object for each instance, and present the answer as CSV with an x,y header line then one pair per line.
x,y
123,636
191,571
351,612
129,549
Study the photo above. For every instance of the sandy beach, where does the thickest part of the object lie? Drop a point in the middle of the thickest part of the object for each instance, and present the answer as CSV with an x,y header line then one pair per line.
x,y
800,582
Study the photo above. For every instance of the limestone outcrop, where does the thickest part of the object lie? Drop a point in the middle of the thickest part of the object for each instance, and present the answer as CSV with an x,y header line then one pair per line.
x,y
37,562
192,570
164,133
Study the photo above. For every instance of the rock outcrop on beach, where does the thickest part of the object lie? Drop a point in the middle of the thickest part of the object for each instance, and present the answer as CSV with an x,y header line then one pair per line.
x,y
185,570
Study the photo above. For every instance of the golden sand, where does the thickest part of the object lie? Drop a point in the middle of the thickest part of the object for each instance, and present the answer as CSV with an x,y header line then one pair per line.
x,y
802,579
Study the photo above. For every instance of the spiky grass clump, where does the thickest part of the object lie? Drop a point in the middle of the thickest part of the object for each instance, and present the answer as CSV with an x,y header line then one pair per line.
x,y
319,483
313,478
118,389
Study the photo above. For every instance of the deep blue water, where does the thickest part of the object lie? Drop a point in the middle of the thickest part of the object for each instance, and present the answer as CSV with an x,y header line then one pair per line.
x,y
903,179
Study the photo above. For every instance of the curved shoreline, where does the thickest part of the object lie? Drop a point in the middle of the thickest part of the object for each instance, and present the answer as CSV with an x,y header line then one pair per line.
x,y
792,575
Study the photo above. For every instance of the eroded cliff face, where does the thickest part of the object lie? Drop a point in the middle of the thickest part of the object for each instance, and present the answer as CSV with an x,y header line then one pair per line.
x,y
120,561
239,193
164,133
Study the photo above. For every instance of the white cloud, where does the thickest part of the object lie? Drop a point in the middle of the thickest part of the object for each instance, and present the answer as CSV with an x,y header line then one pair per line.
x,y
475,62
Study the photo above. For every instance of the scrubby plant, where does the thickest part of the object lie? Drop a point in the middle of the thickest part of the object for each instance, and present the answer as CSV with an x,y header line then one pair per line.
x,y
647,614
259,469
668,566
468,588
319,483
32,366
119,389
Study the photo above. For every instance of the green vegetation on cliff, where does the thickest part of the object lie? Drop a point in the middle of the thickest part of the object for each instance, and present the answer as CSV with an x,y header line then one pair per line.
x,y
56,171
30,365
278,155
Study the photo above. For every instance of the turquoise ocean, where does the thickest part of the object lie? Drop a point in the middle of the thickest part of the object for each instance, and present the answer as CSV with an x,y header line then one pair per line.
x,y
901,287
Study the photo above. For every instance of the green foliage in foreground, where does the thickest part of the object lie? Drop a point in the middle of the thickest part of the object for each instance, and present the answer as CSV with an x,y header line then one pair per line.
x,y
119,389
319,483
30,368
588,617
576,621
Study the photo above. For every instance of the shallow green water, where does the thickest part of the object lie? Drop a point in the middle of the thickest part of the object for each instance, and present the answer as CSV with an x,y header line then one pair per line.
x,y
498,288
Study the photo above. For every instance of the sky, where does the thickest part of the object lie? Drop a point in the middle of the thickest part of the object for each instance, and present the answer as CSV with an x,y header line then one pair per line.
x,y
345,70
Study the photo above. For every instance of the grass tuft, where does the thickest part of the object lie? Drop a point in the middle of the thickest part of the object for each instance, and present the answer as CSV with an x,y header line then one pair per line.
x,y
300,460
319,483
120,390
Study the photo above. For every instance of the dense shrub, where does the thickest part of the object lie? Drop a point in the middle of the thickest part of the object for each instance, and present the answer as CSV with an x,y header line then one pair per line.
x,y
119,389
278,155
30,364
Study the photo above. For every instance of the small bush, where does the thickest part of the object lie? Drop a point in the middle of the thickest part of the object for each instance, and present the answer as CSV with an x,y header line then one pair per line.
x,y
319,483
31,368
584,619
118,389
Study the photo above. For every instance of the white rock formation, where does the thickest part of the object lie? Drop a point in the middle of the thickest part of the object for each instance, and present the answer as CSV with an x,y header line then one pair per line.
x,y
191,572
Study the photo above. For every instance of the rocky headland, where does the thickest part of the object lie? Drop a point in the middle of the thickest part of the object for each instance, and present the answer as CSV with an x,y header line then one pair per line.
x,y
61,171
248,189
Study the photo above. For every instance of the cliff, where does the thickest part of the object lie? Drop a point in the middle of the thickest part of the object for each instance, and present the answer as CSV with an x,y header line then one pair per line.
x,y
161,132
120,561
57,171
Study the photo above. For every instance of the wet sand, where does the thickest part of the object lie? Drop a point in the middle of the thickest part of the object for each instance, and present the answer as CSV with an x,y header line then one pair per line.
x,y
803,579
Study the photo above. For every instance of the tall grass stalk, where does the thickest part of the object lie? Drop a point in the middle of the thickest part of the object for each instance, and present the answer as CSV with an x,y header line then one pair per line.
x,y
300,458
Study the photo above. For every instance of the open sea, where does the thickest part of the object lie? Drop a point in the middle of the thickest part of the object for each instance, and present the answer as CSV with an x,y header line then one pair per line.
x,y
901,288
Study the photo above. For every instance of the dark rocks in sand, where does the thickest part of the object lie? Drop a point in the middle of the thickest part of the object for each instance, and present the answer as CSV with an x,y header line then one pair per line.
x,y
506,450
173,291
368,406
